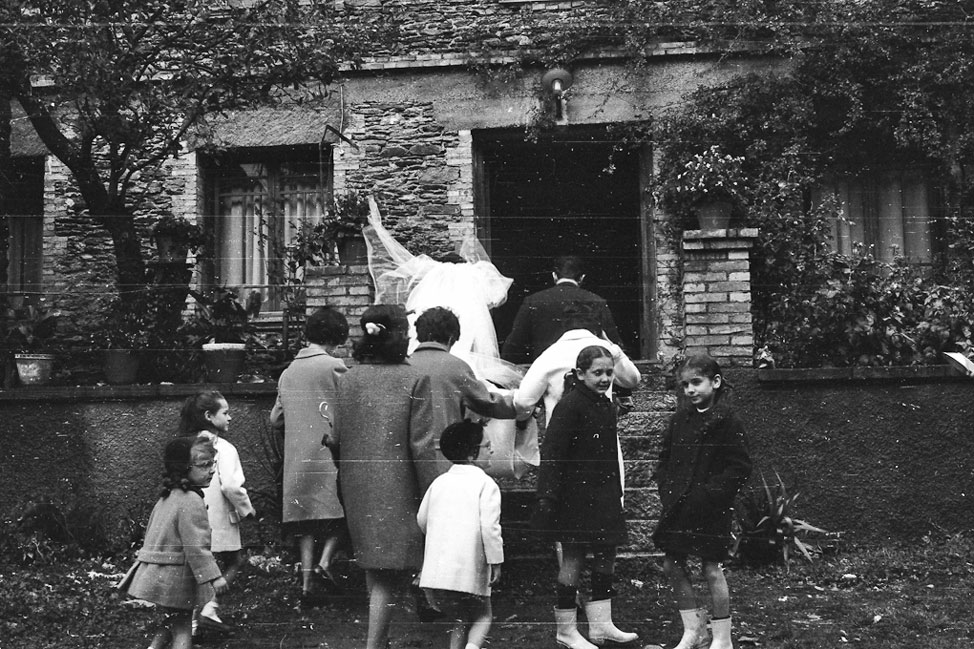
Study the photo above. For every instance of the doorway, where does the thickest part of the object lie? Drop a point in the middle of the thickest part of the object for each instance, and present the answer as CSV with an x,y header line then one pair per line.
x,y
575,193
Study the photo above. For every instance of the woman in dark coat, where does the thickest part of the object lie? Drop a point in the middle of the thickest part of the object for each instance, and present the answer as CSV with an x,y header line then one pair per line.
x,y
387,459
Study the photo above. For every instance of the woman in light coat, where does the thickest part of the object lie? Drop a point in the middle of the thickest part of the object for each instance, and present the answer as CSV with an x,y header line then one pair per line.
x,y
312,511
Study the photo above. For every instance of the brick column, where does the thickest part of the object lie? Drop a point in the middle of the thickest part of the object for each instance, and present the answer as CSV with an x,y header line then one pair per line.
x,y
717,294
347,288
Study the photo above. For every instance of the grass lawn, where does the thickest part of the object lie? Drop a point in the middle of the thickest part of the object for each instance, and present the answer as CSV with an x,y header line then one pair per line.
x,y
916,596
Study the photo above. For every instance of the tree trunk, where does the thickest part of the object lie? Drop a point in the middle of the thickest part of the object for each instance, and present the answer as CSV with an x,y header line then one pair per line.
x,y
120,224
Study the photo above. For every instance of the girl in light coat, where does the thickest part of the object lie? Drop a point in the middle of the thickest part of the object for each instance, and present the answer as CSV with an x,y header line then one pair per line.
x,y
175,569
460,515
207,414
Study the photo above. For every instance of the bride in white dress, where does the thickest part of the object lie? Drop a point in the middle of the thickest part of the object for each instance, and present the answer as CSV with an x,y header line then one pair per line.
x,y
469,287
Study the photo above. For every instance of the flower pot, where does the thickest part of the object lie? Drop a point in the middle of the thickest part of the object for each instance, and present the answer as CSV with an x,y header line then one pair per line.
x,y
352,251
224,361
170,249
121,366
34,369
714,215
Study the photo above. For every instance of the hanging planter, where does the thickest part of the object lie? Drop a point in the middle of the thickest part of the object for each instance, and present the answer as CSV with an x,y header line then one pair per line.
x,y
34,369
714,215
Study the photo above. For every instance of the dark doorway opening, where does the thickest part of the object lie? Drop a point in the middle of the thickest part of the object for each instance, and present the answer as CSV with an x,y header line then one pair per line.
x,y
576,193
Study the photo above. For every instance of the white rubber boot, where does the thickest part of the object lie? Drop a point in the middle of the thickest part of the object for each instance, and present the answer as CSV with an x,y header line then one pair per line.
x,y
600,626
722,633
567,635
694,629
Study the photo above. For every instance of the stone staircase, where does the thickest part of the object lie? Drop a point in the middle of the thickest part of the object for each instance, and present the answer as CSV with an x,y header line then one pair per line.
x,y
639,433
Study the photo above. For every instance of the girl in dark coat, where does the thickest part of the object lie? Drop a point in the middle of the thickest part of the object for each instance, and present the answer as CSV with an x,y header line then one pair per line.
x,y
703,464
580,497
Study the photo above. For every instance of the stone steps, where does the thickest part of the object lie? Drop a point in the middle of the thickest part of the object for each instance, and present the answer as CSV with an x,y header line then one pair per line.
x,y
639,434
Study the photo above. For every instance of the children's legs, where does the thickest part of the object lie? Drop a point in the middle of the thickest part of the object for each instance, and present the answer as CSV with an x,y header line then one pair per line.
x,y
161,639
380,585
694,619
717,584
570,566
678,576
235,560
481,615
182,632
721,622
598,609
566,613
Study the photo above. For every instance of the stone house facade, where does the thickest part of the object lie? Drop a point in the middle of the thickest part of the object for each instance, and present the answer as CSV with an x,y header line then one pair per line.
x,y
436,128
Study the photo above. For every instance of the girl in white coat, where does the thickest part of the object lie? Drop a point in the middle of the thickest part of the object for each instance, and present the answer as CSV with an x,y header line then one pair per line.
x,y
207,414
460,515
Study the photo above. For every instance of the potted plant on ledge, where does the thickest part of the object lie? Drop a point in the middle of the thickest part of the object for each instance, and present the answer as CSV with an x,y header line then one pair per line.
x,y
29,331
123,335
709,185
222,328
175,237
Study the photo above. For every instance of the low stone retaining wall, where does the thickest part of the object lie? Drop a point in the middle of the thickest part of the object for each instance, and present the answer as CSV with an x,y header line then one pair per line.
x,y
877,455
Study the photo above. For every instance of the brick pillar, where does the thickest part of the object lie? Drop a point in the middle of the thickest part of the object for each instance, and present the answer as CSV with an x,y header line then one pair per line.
x,y
717,294
347,288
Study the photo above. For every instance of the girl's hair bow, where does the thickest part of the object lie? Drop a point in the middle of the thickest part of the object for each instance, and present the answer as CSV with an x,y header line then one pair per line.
x,y
374,328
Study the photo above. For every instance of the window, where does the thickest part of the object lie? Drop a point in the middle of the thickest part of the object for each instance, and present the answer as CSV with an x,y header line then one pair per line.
x,y
22,203
258,199
889,213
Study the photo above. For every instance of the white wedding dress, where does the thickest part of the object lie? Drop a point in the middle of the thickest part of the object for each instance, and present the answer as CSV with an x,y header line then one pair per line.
x,y
470,289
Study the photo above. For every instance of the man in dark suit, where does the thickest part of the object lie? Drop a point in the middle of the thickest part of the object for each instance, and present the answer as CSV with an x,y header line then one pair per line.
x,y
544,316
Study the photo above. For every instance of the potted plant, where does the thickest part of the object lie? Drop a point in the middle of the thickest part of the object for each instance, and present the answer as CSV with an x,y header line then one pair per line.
x,y
123,335
175,237
222,328
343,224
29,331
709,184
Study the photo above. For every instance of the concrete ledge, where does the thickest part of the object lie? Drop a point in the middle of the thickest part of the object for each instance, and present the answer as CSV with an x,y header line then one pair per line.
x,y
95,393
815,375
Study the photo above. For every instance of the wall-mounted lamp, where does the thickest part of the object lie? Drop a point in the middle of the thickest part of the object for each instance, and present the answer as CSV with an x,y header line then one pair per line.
x,y
558,80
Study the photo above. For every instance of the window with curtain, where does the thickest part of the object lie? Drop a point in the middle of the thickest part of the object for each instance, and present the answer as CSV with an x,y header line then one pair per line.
x,y
22,204
259,202
887,212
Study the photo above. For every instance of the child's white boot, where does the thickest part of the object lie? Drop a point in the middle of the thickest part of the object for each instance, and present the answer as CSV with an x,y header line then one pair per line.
x,y
694,629
601,629
566,634
721,628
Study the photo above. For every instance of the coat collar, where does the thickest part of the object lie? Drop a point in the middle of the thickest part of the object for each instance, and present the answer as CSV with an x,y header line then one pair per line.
x,y
466,469
432,346
312,349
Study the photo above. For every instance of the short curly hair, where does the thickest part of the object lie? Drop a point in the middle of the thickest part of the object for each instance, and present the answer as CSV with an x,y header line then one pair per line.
x,y
326,326
437,324
460,440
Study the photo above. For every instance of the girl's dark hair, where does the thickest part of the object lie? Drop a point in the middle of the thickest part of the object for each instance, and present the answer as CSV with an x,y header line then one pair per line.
x,y
326,326
177,458
437,324
192,418
584,361
385,335
705,365
460,440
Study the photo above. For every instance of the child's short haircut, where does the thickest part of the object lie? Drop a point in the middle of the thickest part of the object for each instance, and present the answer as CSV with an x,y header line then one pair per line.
x,y
326,326
437,324
460,440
